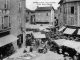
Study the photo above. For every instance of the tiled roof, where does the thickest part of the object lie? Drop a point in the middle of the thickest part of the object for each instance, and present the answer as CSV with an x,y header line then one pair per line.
x,y
44,8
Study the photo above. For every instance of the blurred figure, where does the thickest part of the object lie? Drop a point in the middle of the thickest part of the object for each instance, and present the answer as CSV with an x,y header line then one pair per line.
x,y
1,57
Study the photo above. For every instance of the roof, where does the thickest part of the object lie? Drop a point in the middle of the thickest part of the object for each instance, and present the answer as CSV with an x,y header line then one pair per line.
x,y
60,2
65,1
28,9
44,8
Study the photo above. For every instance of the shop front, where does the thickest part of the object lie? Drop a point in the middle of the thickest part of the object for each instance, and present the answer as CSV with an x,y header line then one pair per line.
x,y
20,40
6,45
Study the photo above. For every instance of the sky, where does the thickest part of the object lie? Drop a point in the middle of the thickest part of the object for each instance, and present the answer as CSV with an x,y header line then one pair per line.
x,y
32,4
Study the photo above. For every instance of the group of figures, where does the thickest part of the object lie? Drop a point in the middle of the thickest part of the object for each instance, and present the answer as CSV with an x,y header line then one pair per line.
x,y
45,44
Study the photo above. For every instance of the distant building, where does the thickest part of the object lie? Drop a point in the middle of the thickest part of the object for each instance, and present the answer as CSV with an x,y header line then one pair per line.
x,y
69,12
44,15
30,15
55,14
12,25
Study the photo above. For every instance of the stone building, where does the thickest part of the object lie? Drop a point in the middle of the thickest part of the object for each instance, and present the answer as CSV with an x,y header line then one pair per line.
x,y
12,26
44,15
69,12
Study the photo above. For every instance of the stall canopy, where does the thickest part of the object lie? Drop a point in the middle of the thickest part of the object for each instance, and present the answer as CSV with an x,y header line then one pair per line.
x,y
7,39
59,41
69,31
78,32
46,30
62,28
41,28
39,35
29,32
68,44
72,44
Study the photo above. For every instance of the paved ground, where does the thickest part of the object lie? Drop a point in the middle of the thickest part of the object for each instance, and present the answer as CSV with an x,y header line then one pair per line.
x,y
27,25
37,56
49,56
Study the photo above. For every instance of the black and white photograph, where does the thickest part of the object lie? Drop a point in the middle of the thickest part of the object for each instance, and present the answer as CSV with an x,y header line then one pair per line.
x,y
39,29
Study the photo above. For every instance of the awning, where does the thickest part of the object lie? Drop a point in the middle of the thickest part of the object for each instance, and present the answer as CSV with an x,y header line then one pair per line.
x,y
62,28
46,30
41,28
69,31
71,44
7,39
29,32
59,41
39,35
78,32
68,44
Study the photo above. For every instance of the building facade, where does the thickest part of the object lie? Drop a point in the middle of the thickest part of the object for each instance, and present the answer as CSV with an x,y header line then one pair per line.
x,y
30,16
12,24
69,12
44,15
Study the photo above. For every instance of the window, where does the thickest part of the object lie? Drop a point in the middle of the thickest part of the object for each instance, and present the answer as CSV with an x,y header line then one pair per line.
x,y
28,13
60,10
6,22
19,22
72,10
0,11
72,20
7,11
47,14
2,22
19,6
4,11
6,4
9,22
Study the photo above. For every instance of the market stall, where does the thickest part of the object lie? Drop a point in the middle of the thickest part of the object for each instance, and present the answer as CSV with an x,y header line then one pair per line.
x,y
39,37
60,41
61,29
72,44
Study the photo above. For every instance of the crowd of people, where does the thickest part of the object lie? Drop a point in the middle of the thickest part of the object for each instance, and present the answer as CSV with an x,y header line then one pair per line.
x,y
69,53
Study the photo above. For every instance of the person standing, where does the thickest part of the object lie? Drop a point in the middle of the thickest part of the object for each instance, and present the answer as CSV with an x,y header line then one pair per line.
x,y
1,57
